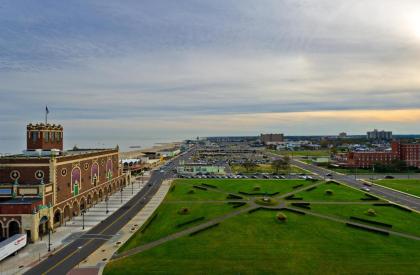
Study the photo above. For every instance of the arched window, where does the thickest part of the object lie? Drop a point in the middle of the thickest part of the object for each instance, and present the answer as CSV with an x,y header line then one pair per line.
x,y
109,169
75,181
95,173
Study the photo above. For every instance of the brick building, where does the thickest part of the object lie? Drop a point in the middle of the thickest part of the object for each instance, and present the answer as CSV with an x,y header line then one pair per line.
x,y
271,139
46,186
407,152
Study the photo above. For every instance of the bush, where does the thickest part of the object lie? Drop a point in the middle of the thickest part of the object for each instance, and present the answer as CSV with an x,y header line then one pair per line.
x,y
257,188
371,212
234,197
191,192
200,187
329,192
184,211
297,186
191,221
281,217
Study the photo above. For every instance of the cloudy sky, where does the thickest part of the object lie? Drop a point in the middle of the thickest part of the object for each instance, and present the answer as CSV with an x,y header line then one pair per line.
x,y
139,72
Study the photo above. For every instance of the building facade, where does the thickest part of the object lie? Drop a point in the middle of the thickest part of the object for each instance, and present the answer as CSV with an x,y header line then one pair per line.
x,y
379,135
407,152
45,186
271,139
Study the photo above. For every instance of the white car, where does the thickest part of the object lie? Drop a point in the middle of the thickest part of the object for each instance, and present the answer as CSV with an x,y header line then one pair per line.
x,y
364,188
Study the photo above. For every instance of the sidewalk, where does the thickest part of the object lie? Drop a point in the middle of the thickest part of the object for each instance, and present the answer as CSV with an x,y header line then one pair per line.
x,y
68,232
95,263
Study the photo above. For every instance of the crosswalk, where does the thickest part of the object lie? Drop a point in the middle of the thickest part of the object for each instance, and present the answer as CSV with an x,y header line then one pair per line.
x,y
98,212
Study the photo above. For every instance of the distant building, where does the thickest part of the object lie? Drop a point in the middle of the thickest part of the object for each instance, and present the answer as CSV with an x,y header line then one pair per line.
x,y
407,152
379,135
199,168
271,139
342,135
45,186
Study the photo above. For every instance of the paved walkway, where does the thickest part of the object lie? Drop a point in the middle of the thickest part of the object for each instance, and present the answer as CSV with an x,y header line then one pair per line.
x,y
100,257
68,232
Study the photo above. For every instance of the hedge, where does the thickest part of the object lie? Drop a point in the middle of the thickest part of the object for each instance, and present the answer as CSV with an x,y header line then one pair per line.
x,y
200,187
233,196
172,188
237,204
254,210
204,229
402,208
370,198
368,229
292,197
302,205
209,185
190,221
372,222
294,211
148,222
297,186
310,189
258,194
382,204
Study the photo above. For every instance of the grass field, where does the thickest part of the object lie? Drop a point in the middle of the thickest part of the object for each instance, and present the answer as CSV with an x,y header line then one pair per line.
x,y
257,243
265,168
339,193
409,186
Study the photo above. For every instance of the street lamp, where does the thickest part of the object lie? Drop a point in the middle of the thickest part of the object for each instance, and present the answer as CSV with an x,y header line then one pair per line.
x,y
49,239
106,203
83,219
121,194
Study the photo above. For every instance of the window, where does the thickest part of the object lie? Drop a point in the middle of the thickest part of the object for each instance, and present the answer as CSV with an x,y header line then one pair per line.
x,y
34,136
46,136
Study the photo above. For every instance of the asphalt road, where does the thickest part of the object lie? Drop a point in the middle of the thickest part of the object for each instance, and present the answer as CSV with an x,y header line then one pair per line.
x,y
74,253
385,193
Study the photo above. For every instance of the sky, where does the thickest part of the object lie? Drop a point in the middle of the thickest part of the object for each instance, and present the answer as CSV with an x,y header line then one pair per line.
x,y
140,72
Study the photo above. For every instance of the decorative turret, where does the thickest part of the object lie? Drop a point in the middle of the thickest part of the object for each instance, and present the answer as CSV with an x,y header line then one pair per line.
x,y
44,137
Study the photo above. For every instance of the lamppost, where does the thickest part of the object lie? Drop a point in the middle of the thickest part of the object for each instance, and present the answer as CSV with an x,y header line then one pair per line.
x,y
121,194
106,203
49,239
83,219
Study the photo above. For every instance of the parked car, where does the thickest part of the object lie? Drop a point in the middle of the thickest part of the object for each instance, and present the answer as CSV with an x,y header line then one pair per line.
x,y
389,177
366,189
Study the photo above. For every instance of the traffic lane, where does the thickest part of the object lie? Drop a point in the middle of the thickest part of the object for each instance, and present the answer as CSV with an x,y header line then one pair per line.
x,y
391,195
82,248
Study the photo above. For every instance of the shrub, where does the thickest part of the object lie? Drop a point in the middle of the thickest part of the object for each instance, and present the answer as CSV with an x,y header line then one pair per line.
x,y
297,186
234,197
191,192
329,192
190,221
200,187
204,229
281,217
257,188
371,212
184,211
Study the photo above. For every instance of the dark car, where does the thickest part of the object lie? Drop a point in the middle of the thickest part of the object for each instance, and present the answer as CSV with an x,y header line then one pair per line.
x,y
389,177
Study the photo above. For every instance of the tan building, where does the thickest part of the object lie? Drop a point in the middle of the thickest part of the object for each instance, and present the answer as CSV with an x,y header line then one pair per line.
x,y
271,139
46,186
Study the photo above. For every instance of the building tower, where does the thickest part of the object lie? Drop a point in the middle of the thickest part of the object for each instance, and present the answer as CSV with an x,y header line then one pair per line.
x,y
45,137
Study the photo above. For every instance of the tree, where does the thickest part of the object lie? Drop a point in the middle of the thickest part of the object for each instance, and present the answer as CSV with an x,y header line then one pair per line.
x,y
249,165
281,164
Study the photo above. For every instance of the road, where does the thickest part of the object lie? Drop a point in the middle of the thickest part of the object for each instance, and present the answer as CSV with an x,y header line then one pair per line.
x,y
385,193
74,253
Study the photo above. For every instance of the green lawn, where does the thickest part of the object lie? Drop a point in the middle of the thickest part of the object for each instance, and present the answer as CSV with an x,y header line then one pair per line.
x,y
231,185
168,218
257,244
339,193
400,220
409,186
